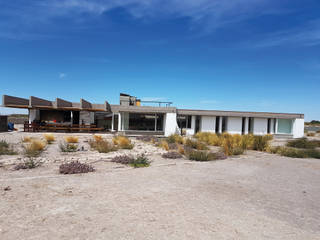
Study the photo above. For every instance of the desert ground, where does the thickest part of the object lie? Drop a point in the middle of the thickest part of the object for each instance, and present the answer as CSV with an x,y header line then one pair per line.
x,y
253,196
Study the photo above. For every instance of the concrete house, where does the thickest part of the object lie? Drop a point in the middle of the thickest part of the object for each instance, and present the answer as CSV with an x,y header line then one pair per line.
x,y
134,117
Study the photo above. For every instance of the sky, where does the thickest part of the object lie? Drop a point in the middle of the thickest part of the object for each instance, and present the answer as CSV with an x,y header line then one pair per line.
x,y
246,55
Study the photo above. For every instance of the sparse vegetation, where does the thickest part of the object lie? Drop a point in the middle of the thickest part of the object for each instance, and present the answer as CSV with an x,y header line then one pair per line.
x,y
71,139
294,152
209,138
102,146
311,134
49,138
261,143
75,167
164,144
175,138
140,161
304,143
28,164
68,147
5,148
122,142
34,148
203,156
196,144
172,155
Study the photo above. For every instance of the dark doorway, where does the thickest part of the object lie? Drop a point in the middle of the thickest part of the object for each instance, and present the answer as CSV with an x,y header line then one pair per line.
x,y
217,124
197,127
224,124
243,130
115,122
269,126
250,125
76,117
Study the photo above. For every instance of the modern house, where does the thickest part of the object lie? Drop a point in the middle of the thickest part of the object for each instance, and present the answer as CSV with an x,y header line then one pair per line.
x,y
133,117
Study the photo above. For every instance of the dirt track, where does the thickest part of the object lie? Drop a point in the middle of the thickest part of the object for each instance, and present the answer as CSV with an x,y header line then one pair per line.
x,y
256,196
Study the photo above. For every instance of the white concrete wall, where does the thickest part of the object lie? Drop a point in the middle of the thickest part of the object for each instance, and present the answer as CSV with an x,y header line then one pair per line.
x,y
234,125
208,124
34,114
260,126
171,126
298,128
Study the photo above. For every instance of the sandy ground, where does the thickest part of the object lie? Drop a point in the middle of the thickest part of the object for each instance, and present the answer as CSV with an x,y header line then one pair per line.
x,y
255,196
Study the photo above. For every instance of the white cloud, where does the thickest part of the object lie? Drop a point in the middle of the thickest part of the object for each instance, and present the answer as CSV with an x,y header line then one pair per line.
x,y
207,15
305,35
62,75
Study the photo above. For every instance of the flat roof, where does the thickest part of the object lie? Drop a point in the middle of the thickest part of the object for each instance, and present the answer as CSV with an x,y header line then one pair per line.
x,y
238,113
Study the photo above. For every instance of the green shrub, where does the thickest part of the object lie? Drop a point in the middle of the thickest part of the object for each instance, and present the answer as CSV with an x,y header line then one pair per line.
x,y
5,148
68,147
303,143
140,161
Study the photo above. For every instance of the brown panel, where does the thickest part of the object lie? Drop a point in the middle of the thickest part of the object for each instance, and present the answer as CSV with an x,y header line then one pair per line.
x,y
34,101
85,104
10,100
62,103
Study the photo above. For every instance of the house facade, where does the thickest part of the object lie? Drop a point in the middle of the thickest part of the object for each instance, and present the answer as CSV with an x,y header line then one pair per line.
x,y
134,117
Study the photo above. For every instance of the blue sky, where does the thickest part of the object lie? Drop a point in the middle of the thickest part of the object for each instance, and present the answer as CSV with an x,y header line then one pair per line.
x,y
257,55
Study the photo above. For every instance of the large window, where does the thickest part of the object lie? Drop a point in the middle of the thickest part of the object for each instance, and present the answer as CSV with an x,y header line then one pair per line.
x,y
142,121
184,121
285,126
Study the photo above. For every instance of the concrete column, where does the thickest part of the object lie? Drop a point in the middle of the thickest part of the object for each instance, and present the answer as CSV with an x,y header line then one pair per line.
x,y
71,113
276,126
246,126
112,122
220,125
119,122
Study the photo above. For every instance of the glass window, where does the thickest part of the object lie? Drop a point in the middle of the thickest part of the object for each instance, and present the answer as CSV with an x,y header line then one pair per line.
x,y
142,121
285,126
184,121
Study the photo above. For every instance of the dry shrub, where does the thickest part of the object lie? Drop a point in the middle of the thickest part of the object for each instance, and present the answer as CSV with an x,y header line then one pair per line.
x,y
181,149
172,155
122,142
247,141
209,138
261,143
97,138
175,138
123,159
26,139
102,146
75,167
196,144
203,156
71,139
164,144
173,146
34,148
294,152
49,137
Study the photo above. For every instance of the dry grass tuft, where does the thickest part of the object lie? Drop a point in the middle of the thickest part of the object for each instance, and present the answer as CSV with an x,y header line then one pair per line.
x,y
71,139
122,142
164,144
26,139
97,138
49,137
175,138
34,148
102,146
